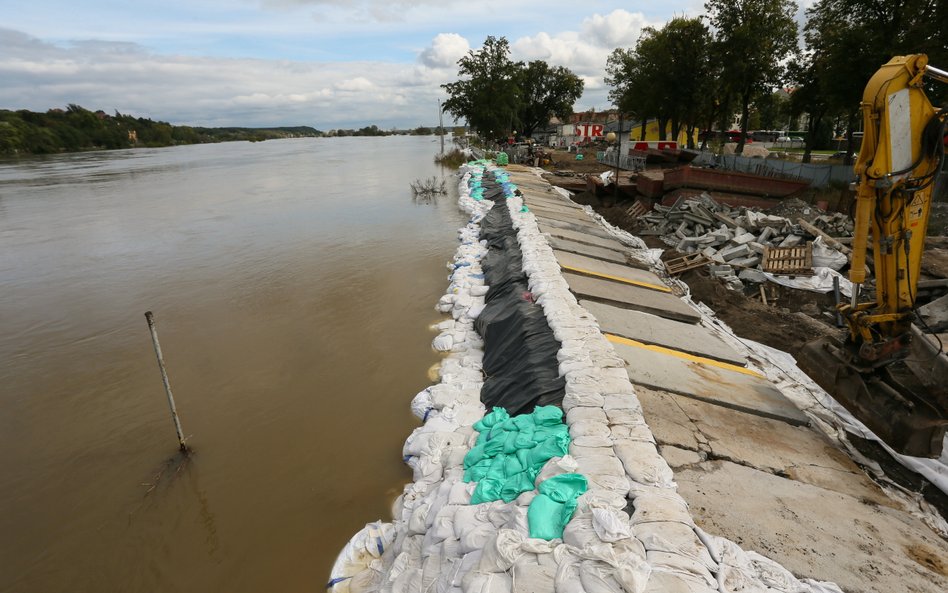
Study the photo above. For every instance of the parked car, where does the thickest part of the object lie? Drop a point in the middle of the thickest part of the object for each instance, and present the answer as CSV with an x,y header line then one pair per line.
x,y
796,139
782,139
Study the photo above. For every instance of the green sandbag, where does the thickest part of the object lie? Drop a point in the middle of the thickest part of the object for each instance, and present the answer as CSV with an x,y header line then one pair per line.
x,y
511,452
502,159
553,507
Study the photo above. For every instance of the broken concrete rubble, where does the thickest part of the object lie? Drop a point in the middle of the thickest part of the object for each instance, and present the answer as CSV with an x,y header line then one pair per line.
x,y
741,235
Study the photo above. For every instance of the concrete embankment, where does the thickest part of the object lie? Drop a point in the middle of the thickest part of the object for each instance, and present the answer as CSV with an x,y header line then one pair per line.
x,y
703,466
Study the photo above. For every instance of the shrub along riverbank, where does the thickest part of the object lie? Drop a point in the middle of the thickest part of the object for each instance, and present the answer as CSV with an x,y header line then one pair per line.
x,y
75,128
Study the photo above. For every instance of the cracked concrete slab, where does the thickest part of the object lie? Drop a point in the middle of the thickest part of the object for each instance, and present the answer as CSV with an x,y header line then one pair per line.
x,y
581,237
814,532
611,255
588,229
652,329
709,381
629,296
574,262
798,452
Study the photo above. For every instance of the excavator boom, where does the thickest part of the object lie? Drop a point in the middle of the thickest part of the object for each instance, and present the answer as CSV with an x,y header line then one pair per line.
x,y
870,373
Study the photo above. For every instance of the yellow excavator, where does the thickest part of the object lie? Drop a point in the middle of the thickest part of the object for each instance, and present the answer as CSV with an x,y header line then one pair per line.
x,y
886,372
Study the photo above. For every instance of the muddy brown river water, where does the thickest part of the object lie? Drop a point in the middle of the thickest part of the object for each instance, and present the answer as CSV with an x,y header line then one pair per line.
x,y
293,283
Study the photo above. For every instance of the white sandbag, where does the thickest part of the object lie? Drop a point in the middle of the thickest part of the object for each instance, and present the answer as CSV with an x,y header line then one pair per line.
x,y
442,527
579,532
675,538
582,428
598,441
631,432
643,464
651,508
680,565
574,400
666,582
567,579
478,291
610,525
530,576
366,581
486,582
431,569
556,466
597,577
585,413
501,551
624,416
421,403
597,497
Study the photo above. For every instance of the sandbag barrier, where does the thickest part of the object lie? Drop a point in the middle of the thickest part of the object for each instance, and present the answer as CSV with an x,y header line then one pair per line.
x,y
520,349
631,532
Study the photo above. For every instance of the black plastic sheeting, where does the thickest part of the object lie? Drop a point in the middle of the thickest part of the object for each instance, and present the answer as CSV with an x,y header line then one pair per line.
x,y
519,348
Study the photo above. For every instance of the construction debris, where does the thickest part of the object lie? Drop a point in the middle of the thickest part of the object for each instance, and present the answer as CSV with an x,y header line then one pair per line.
x,y
740,237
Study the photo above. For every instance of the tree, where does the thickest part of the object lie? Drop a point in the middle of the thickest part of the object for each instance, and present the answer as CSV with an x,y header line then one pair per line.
x,y
848,40
668,75
486,94
544,92
756,36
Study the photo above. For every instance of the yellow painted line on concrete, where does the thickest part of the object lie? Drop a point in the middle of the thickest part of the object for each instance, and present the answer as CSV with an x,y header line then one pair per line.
x,y
682,355
617,278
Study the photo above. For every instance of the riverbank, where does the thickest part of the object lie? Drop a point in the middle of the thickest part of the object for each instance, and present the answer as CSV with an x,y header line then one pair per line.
x,y
674,489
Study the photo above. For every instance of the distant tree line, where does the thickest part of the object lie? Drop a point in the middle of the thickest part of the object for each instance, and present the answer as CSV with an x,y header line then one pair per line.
x,y
374,130
698,72
76,128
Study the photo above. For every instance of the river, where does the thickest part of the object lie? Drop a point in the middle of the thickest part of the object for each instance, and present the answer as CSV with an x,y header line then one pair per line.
x,y
293,283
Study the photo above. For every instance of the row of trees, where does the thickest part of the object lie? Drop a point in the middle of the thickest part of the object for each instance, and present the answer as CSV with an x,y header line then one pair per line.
x,y
496,95
76,128
696,72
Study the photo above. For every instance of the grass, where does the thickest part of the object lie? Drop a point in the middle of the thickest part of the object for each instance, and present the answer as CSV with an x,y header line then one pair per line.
x,y
453,158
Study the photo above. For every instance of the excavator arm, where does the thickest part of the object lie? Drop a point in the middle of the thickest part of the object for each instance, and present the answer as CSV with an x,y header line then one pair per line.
x,y
901,155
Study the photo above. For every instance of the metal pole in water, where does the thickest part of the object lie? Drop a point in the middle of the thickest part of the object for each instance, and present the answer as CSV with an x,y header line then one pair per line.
x,y
441,126
164,379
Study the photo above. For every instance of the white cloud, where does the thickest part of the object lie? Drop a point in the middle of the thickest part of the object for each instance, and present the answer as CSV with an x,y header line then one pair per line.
x,y
585,51
214,91
619,28
445,51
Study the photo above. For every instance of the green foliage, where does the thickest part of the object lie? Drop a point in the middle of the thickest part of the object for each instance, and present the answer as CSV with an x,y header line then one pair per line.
x,y
487,95
755,37
544,92
421,131
76,128
497,96
668,75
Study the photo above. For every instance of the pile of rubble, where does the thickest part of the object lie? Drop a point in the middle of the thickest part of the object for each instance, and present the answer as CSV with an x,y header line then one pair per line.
x,y
735,238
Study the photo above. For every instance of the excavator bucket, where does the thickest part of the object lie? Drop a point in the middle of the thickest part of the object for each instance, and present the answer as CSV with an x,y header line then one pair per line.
x,y
904,409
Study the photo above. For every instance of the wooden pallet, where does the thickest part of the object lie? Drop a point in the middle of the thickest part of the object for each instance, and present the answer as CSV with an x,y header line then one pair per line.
x,y
689,262
636,210
789,261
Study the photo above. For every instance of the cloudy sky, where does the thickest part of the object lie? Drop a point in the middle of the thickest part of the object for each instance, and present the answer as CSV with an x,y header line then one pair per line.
x,y
324,63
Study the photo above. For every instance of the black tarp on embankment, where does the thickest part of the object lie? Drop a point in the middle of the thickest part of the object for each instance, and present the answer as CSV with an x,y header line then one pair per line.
x,y
519,348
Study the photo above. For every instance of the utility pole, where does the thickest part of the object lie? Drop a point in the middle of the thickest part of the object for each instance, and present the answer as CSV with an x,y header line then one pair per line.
x,y
441,126
618,154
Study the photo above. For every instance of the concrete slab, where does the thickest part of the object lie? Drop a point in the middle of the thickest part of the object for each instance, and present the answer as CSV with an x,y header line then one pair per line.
x,y
581,237
547,201
578,218
630,274
629,296
588,228
816,533
601,253
705,379
796,452
651,329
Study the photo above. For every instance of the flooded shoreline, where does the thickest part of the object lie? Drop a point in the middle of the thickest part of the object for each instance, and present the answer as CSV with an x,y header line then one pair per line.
x,y
293,284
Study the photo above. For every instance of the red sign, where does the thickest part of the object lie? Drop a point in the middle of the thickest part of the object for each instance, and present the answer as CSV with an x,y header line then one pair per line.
x,y
588,130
